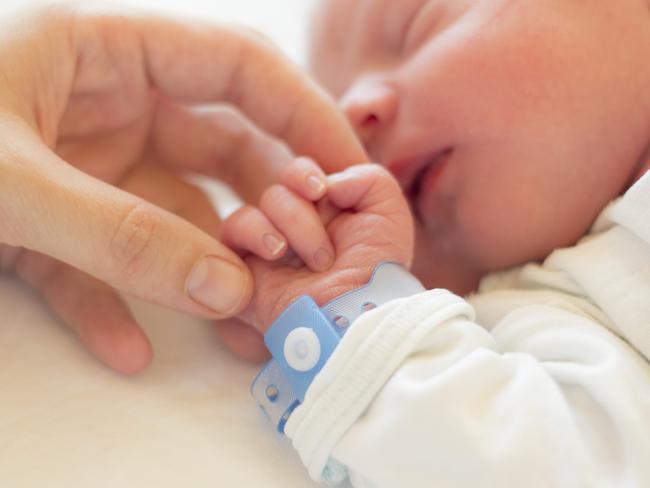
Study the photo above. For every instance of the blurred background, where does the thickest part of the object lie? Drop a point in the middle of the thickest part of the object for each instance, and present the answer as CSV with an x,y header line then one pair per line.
x,y
285,21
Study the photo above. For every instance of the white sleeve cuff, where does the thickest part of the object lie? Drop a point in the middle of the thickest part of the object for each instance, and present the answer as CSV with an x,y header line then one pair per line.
x,y
371,351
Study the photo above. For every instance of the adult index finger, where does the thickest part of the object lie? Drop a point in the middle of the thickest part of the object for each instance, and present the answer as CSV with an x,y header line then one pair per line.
x,y
198,62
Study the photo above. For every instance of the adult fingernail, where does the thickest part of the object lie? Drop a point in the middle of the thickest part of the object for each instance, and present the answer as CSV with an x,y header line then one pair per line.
x,y
323,259
273,243
217,284
315,184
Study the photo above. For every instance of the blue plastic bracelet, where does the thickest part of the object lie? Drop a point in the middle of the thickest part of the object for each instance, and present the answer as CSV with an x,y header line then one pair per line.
x,y
303,338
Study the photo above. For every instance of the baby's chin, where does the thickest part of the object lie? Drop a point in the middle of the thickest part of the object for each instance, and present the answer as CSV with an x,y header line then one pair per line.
x,y
439,265
454,254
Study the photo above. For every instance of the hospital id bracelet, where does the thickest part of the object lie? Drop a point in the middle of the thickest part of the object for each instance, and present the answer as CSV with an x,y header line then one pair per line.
x,y
304,336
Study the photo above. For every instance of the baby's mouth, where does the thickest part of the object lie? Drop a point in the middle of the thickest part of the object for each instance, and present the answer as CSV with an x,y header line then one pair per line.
x,y
418,177
413,191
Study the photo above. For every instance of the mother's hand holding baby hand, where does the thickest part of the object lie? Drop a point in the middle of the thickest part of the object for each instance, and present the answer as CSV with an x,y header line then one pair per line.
x,y
361,215
86,97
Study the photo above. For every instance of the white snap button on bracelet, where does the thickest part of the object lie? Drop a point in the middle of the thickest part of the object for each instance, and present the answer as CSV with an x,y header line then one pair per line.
x,y
302,349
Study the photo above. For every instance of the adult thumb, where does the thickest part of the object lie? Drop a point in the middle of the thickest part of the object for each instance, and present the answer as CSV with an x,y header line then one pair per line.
x,y
49,206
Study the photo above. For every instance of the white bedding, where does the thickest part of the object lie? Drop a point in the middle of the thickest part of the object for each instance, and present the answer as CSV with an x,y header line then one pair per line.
x,y
67,421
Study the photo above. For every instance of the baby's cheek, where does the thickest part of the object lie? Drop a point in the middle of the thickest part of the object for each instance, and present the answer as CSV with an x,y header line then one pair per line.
x,y
507,228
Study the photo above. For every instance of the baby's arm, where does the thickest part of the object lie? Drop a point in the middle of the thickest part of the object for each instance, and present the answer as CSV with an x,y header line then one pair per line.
x,y
418,394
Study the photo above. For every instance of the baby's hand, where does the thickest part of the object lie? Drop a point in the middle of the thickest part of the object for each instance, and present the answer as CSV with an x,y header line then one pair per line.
x,y
321,239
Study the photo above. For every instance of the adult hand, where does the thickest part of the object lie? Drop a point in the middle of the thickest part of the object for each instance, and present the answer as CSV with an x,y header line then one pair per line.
x,y
88,94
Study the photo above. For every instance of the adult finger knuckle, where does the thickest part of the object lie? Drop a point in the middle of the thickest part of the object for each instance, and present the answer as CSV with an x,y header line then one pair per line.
x,y
133,244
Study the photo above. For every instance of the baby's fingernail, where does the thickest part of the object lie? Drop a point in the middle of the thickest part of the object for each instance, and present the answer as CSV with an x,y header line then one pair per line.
x,y
217,284
315,184
273,243
323,259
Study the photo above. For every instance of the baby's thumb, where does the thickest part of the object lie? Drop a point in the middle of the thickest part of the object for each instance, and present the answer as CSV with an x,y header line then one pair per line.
x,y
51,207
378,213
367,188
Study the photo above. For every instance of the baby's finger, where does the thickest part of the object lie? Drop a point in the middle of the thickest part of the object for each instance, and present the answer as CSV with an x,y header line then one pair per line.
x,y
299,222
249,230
304,177
366,187
327,211
91,309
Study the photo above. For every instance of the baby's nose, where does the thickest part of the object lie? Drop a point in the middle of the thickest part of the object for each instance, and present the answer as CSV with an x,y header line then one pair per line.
x,y
370,107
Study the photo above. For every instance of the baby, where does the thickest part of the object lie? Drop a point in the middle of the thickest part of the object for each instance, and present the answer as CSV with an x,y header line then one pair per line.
x,y
510,126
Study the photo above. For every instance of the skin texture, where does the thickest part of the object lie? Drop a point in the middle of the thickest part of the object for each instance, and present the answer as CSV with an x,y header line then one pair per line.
x,y
542,106
102,113
361,211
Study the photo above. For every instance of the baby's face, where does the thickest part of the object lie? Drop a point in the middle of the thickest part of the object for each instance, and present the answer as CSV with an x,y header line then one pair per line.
x,y
509,123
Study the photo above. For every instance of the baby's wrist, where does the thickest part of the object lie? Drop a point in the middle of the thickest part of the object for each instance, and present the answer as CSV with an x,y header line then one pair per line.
x,y
322,291
304,336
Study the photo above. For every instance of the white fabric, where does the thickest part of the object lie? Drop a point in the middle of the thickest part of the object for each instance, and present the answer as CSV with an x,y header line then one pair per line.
x,y
549,386
66,421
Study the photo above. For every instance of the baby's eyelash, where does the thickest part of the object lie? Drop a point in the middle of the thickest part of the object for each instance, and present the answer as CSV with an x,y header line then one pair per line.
x,y
426,19
411,20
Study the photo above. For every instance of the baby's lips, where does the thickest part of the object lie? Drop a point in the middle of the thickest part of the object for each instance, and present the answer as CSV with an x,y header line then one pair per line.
x,y
410,169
